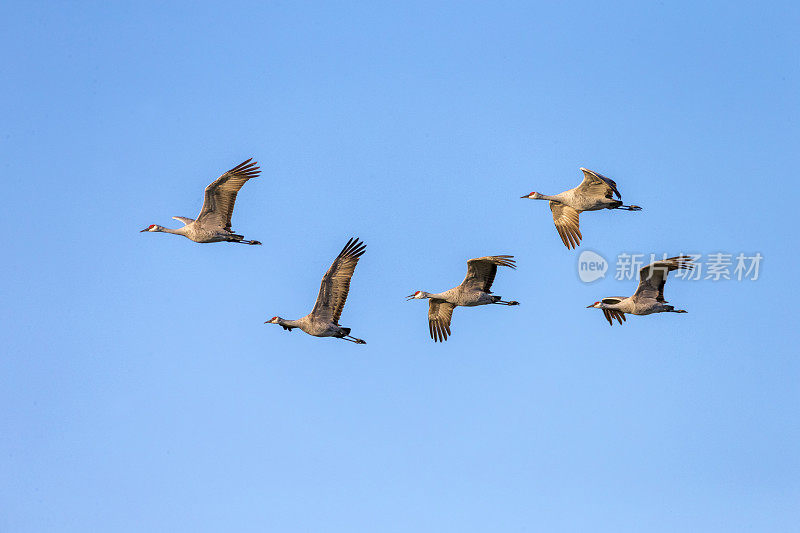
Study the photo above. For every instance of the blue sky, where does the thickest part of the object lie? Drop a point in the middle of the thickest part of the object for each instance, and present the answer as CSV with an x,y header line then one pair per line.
x,y
141,390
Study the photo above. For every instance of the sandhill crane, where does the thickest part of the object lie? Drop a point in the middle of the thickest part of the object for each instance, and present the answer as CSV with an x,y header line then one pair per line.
x,y
594,193
649,296
474,290
213,224
323,320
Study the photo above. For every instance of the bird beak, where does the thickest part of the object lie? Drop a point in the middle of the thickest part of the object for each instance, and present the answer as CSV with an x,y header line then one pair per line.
x,y
409,297
142,231
526,196
588,306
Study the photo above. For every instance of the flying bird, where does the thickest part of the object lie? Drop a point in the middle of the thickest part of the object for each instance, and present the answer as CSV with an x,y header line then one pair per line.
x,y
474,290
649,296
323,320
213,224
594,193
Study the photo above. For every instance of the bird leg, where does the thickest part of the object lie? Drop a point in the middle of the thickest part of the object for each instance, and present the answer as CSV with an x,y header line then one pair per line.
x,y
629,207
353,339
678,311
251,243
512,302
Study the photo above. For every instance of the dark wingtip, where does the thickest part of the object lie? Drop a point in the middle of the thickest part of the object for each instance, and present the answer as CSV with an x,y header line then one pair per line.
x,y
354,247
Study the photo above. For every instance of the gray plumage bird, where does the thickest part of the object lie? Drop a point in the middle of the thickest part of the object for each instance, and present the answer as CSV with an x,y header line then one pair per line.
x,y
649,296
474,290
323,320
213,224
594,193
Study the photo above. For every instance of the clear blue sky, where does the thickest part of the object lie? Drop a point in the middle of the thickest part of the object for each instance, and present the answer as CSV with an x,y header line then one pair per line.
x,y
140,390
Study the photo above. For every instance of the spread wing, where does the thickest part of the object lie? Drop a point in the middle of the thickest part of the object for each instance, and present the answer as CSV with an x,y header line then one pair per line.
x,y
336,282
221,194
481,271
439,315
653,276
596,184
185,220
567,224
614,314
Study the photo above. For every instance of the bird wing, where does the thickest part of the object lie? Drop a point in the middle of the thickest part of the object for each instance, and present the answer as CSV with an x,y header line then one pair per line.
x,y
481,271
336,282
611,314
185,220
439,315
221,194
567,224
596,184
652,277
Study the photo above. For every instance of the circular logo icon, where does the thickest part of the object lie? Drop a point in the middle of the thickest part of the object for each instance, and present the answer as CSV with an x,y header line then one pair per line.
x,y
591,266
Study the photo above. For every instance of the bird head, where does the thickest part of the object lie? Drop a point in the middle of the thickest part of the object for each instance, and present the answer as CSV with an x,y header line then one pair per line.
x,y
152,227
532,196
596,304
273,320
417,296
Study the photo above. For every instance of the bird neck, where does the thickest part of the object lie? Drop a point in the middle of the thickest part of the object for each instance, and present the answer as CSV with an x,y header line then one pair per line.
x,y
436,296
555,198
176,231
289,323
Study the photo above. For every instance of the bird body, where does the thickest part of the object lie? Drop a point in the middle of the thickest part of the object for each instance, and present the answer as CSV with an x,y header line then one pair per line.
x,y
595,192
323,320
213,224
199,232
462,297
634,306
580,201
649,295
473,291
313,326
